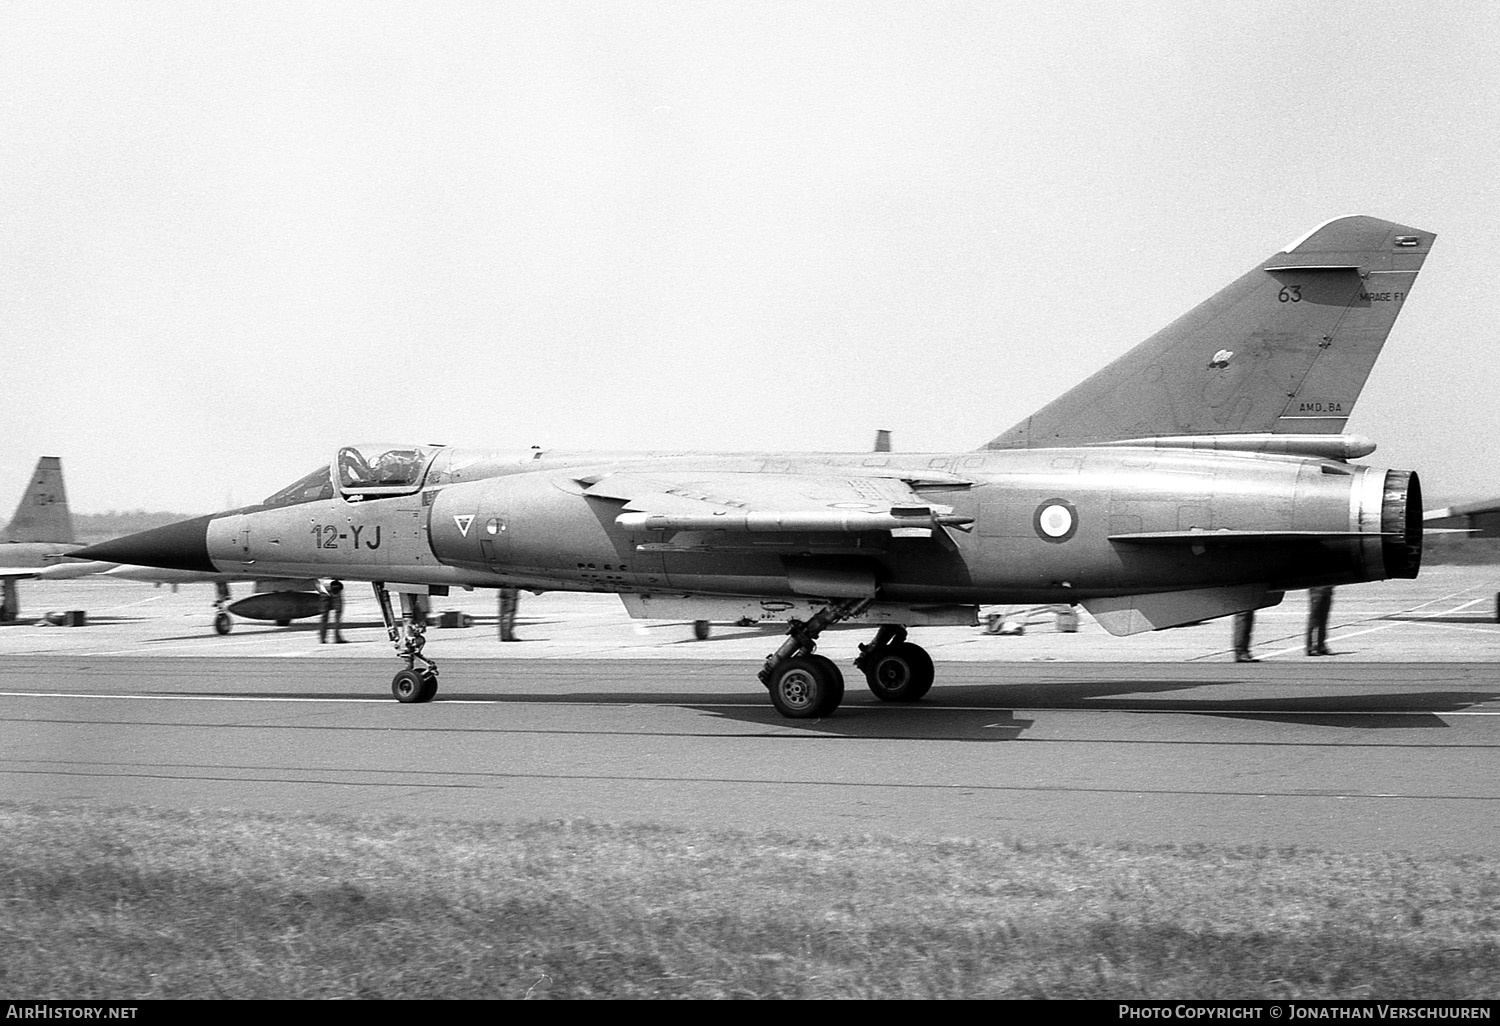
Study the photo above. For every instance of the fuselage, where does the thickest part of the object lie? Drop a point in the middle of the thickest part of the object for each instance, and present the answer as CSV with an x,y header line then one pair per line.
x,y
524,519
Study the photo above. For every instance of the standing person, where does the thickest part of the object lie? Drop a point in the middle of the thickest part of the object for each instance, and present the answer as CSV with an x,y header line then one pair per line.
x,y
333,603
1319,604
1244,623
510,601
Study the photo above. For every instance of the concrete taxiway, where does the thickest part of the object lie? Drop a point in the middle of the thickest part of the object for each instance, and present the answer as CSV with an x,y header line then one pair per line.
x,y
1390,745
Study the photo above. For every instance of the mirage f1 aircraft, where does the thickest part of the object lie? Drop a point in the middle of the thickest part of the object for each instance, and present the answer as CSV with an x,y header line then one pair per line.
x,y
1203,473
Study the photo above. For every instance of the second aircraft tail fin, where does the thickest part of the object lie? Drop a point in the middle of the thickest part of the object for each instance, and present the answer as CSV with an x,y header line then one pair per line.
x,y
42,515
1285,349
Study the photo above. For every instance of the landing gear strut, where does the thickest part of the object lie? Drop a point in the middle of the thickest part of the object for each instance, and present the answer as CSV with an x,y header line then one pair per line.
x,y
408,634
805,685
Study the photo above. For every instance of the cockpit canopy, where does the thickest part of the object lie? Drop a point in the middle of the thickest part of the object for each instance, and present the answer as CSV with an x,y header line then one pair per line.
x,y
362,471
382,469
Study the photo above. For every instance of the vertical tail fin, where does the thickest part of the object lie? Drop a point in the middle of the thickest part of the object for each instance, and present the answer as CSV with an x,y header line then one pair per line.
x,y
1285,349
42,515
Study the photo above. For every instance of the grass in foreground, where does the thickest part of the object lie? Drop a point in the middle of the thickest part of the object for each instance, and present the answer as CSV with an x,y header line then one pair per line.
x,y
140,903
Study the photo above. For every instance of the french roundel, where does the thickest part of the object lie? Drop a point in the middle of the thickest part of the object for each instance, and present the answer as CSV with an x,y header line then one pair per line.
x,y
1056,520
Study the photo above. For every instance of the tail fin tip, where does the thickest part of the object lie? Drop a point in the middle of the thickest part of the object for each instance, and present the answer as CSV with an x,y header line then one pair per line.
x,y
42,514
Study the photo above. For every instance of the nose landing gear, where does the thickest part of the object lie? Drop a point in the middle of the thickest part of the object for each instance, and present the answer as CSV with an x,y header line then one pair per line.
x,y
409,635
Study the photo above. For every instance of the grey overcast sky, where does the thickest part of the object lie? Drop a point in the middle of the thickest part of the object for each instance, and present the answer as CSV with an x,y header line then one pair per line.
x,y
236,235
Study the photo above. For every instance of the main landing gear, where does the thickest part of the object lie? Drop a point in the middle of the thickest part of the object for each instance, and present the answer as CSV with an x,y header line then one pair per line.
x,y
408,634
805,685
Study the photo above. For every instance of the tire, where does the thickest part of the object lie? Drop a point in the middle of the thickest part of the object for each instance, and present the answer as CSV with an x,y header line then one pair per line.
x,y
700,630
283,623
806,687
222,624
834,674
411,686
901,673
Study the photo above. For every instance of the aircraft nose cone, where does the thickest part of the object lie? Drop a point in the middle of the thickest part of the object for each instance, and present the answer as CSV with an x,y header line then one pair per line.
x,y
180,546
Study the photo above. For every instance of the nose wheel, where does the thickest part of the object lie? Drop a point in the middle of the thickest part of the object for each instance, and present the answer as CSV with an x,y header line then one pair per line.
x,y
414,685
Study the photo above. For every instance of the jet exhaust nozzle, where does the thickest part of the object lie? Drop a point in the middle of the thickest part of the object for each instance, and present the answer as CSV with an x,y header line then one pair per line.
x,y
1401,523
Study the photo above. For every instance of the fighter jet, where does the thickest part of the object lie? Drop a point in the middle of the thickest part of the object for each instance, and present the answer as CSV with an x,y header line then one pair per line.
x,y
1202,473
39,535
